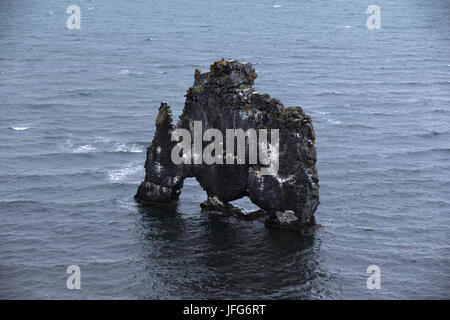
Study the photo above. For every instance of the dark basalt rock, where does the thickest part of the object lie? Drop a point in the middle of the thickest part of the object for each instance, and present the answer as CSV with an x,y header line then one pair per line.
x,y
224,99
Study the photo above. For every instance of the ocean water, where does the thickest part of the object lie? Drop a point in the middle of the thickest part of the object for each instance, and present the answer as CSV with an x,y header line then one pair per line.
x,y
78,110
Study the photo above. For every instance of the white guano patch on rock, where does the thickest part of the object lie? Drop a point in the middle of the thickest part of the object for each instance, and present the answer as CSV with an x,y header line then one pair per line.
x,y
215,201
286,216
284,179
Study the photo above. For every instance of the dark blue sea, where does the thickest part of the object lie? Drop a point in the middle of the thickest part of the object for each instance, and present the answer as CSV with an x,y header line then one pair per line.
x,y
77,111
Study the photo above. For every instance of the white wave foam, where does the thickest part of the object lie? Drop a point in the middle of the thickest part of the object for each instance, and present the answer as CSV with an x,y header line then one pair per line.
x,y
102,139
121,147
277,6
334,121
123,172
19,128
84,149
327,93
129,72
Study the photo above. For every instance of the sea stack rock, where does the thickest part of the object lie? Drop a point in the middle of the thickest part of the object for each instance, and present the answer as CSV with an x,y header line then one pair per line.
x,y
224,100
